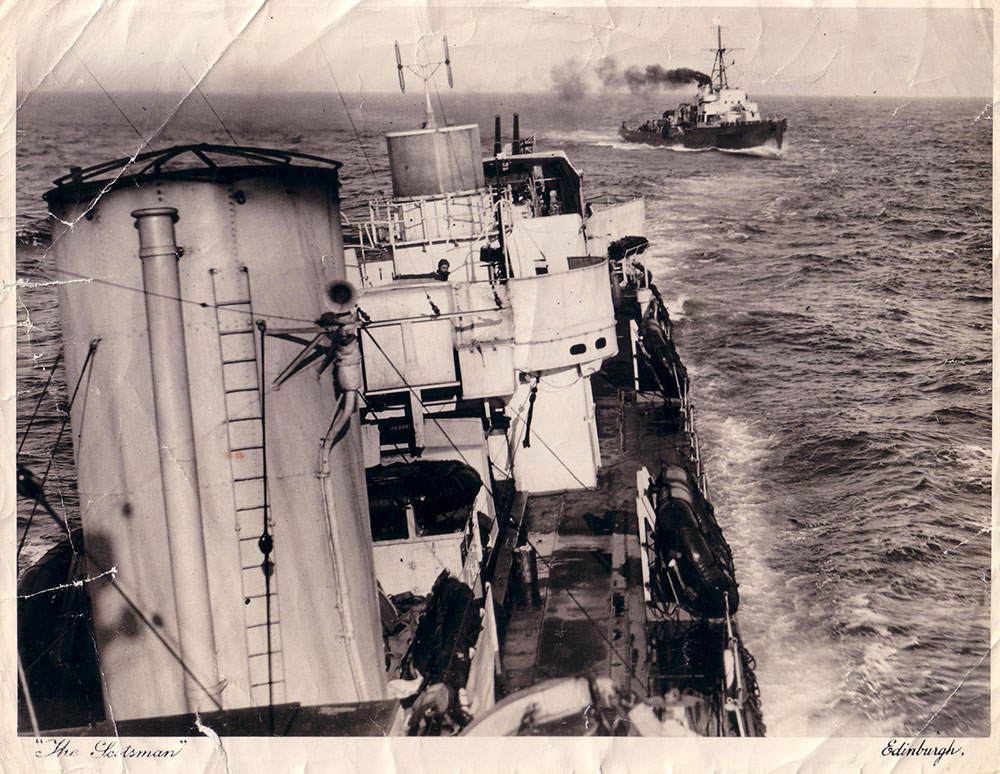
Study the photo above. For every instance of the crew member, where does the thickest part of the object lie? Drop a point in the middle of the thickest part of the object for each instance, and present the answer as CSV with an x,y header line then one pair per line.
x,y
443,269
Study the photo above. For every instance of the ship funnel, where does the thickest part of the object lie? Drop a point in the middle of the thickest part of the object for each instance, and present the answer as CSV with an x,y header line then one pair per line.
x,y
497,146
239,552
515,143
340,296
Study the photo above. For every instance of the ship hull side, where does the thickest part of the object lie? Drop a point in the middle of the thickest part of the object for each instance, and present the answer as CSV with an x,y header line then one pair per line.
x,y
729,137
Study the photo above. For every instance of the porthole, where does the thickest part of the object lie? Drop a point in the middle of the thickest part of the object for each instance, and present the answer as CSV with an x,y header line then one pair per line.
x,y
578,349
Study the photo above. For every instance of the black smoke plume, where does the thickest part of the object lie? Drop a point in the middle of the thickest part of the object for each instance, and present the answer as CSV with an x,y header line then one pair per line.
x,y
649,78
656,77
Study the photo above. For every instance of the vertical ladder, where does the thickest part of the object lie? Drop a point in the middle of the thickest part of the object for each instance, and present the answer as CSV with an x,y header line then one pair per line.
x,y
241,383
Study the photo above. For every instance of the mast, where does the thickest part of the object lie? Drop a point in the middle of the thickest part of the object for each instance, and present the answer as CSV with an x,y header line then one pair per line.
x,y
719,79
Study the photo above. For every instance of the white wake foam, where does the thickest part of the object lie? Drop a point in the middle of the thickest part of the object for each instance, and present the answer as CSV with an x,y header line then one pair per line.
x,y
789,648
761,151
590,137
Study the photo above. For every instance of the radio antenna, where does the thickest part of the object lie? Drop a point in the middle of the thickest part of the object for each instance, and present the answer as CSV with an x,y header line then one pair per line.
x,y
425,72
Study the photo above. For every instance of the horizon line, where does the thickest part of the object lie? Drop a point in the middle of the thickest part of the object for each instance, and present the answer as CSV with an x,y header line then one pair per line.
x,y
46,91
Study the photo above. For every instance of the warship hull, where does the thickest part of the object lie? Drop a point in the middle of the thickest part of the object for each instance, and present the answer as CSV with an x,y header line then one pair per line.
x,y
726,137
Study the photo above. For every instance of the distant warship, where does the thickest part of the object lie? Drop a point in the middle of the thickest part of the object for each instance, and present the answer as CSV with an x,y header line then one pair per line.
x,y
723,117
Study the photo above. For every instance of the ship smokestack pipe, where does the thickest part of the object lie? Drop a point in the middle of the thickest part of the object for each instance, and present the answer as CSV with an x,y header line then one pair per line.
x,y
515,143
178,467
497,146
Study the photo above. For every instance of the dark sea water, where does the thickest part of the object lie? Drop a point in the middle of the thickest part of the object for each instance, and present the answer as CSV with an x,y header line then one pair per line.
x,y
833,304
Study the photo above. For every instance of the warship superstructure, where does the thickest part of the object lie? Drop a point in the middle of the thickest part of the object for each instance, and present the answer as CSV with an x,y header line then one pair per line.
x,y
433,473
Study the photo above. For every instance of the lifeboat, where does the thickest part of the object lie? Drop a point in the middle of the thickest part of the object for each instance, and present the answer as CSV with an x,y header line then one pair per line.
x,y
566,706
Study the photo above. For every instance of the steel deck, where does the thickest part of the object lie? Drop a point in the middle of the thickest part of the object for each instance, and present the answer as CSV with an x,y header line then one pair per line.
x,y
589,615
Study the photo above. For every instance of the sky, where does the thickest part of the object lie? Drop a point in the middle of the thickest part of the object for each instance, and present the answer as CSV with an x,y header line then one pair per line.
x,y
499,46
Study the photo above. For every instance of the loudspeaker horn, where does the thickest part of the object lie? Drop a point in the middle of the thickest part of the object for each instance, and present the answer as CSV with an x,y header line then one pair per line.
x,y
340,296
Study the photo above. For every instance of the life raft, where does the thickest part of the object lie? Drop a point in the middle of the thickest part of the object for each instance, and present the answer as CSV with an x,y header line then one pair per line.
x,y
697,557
627,245
662,357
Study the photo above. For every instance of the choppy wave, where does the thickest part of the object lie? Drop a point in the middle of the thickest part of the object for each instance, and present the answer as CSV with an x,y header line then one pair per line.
x,y
839,305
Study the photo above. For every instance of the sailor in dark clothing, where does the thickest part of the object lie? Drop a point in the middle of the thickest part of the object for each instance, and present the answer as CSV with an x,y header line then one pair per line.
x,y
443,269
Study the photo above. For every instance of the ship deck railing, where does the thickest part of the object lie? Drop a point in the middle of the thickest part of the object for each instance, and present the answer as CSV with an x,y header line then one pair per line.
x,y
442,218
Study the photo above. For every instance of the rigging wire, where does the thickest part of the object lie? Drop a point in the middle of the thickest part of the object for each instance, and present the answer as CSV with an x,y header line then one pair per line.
x,y
153,628
102,571
197,87
437,93
120,172
23,679
191,302
548,448
311,322
58,640
139,133
27,430
52,454
597,627
350,118
117,107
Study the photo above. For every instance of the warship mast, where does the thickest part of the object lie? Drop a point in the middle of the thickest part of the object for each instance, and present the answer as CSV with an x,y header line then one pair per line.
x,y
719,79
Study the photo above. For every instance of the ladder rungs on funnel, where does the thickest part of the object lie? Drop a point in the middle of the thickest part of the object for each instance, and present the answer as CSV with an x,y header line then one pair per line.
x,y
241,386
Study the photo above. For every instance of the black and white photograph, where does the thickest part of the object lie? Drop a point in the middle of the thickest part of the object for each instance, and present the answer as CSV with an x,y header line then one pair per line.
x,y
379,374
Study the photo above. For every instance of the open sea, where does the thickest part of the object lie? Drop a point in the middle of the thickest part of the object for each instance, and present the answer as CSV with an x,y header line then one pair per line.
x,y
833,305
